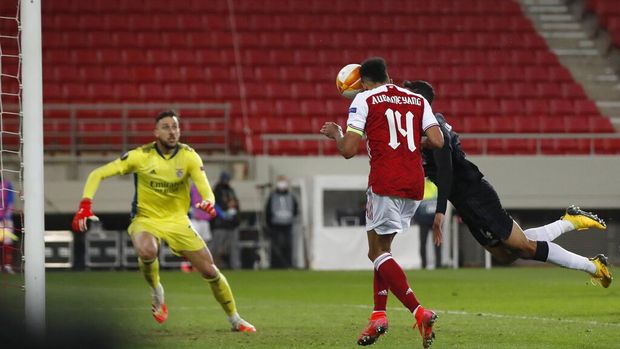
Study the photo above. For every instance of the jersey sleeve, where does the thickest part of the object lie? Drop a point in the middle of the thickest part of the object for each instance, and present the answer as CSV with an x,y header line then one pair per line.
x,y
358,113
123,165
198,175
443,160
428,118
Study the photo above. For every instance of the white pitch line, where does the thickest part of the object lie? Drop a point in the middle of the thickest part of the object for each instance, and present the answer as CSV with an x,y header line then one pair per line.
x,y
516,317
448,312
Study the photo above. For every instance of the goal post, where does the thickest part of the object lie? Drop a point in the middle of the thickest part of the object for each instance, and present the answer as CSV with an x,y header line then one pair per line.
x,y
32,109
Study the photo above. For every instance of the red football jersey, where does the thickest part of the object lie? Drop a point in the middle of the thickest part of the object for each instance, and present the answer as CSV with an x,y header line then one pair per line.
x,y
393,120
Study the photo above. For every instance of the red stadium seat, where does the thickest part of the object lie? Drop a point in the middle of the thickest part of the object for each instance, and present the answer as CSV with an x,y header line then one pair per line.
x,y
487,107
561,107
553,124
607,146
528,124
539,107
503,124
491,70
586,107
549,90
566,146
477,124
600,125
472,146
577,124
304,90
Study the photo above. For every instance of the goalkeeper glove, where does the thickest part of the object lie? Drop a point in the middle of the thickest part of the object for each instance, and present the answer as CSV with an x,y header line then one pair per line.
x,y
83,215
207,207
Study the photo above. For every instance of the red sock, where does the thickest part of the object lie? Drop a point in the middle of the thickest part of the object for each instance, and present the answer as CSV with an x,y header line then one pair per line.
x,y
394,276
380,292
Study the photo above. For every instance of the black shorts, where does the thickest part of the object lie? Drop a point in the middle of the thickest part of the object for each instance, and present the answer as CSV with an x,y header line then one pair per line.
x,y
479,207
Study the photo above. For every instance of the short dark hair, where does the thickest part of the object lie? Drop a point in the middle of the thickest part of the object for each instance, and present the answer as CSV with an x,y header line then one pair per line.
x,y
374,69
421,87
166,114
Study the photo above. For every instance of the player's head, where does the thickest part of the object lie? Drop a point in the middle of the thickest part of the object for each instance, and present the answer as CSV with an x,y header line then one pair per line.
x,y
373,73
224,177
167,131
422,88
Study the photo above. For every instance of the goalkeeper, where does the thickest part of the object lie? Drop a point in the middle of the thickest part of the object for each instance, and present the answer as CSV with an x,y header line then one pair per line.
x,y
162,171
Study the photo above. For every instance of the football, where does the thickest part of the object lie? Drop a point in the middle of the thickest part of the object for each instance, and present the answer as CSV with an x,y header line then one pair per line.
x,y
348,80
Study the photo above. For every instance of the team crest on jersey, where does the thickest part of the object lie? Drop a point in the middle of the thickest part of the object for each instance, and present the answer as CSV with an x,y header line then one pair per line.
x,y
179,172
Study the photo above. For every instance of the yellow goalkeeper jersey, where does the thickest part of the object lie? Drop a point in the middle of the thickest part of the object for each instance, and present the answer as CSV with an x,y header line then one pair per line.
x,y
162,187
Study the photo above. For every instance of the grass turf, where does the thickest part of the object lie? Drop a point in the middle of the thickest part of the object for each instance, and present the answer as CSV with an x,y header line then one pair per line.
x,y
499,308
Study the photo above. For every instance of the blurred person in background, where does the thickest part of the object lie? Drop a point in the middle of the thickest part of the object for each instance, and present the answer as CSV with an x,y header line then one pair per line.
x,y
227,220
280,212
7,235
424,217
162,172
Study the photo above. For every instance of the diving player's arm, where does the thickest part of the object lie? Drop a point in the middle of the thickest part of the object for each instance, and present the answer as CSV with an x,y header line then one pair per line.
x,y
124,164
435,137
199,177
443,161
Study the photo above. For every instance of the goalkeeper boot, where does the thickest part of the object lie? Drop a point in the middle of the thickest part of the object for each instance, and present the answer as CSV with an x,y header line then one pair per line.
x,y
240,325
377,326
425,319
582,220
602,276
158,307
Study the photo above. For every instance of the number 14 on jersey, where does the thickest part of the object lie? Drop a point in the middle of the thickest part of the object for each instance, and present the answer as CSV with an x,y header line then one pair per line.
x,y
394,119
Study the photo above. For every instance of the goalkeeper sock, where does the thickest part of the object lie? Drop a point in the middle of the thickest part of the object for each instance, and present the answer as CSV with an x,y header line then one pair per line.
x,y
223,294
150,270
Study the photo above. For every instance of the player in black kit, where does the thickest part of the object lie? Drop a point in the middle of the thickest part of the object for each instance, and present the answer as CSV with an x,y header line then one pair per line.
x,y
476,202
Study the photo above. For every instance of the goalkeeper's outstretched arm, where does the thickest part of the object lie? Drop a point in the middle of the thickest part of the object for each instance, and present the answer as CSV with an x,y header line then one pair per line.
x,y
84,213
96,176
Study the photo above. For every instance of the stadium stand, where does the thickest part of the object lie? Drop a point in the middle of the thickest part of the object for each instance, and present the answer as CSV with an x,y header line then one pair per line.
x,y
492,71
608,12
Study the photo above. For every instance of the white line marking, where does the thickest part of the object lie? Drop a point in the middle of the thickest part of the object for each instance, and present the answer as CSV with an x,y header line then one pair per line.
x,y
448,312
513,317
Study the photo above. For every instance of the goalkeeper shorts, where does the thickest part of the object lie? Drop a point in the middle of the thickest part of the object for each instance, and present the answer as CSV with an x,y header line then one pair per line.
x,y
177,233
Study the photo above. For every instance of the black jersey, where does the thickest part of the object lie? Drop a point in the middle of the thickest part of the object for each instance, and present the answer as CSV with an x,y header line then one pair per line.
x,y
457,172
461,182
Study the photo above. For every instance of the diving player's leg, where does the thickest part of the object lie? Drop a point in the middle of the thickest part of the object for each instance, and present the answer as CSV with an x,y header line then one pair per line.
x,y
147,247
547,251
203,261
573,219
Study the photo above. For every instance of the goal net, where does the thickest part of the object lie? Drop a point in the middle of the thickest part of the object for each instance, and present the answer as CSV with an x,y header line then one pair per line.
x,y
10,145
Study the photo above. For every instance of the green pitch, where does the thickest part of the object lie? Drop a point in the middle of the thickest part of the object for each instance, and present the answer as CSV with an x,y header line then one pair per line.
x,y
499,308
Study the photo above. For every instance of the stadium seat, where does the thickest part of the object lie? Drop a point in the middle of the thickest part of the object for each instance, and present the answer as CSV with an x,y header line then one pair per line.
x,y
607,146
472,146
491,70
561,107
566,146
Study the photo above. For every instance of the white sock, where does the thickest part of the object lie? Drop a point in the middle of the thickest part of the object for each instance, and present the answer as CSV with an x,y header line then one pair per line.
x,y
550,231
234,318
157,294
567,259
